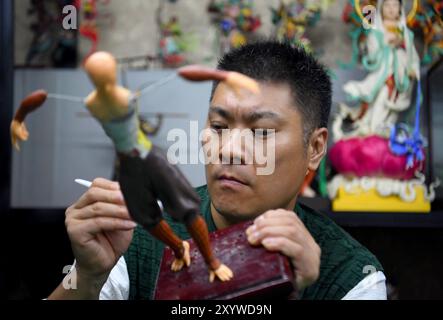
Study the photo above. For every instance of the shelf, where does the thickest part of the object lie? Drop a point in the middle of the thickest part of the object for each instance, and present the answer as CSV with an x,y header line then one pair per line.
x,y
434,219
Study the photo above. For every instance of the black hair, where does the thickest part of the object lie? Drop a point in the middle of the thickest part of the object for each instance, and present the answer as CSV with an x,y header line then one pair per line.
x,y
272,61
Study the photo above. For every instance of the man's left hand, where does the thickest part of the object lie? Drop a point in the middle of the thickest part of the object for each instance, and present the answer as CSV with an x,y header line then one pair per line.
x,y
282,230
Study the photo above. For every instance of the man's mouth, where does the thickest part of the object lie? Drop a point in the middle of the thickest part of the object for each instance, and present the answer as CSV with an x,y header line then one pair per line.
x,y
231,180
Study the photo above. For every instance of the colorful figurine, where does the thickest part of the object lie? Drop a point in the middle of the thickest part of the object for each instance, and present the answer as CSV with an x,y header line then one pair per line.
x,y
429,20
424,16
174,44
145,173
380,161
352,15
293,17
51,45
360,23
171,50
393,65
88,27
236,22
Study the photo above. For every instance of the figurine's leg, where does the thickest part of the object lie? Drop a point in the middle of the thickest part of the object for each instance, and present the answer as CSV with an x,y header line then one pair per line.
x,y
142,206
140,200
183,204
198,230
163,232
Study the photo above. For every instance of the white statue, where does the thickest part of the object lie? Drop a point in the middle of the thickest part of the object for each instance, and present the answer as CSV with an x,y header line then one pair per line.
x,y
393,64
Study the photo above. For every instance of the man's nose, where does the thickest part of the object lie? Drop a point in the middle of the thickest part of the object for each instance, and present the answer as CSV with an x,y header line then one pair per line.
x,y
235,147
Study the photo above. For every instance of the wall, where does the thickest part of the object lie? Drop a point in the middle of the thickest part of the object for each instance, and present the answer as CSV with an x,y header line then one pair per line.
x,y
132,31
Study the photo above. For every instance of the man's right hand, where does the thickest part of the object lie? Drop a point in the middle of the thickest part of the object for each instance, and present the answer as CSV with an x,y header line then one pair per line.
x,y
100,230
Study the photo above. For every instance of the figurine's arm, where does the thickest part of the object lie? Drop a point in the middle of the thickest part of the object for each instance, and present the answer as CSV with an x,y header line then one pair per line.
x,y
28,105
233,79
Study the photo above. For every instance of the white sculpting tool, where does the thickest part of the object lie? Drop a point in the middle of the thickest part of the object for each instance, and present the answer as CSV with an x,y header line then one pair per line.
x,y
88,184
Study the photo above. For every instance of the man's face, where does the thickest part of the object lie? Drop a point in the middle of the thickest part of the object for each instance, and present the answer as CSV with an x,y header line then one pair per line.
x,y
237,191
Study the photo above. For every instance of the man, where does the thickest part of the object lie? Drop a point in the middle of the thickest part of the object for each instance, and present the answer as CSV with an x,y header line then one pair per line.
x,y
117,260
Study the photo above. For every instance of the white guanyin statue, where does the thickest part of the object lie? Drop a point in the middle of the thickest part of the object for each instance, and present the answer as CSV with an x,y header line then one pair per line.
x,y
393,64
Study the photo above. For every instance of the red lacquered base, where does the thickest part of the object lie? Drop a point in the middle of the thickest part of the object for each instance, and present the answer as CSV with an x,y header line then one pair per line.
x,y
258,273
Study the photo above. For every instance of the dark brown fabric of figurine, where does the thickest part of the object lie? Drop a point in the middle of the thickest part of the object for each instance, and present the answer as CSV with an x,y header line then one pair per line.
x,y
143,181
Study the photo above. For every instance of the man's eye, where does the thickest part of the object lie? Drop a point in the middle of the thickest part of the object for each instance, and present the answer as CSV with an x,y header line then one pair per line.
x,y
262,133
218,127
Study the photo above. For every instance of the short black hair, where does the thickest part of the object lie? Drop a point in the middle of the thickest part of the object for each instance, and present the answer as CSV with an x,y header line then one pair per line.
x,y
272,61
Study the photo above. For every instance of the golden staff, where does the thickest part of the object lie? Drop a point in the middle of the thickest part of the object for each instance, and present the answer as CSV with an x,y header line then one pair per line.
x,y
411,14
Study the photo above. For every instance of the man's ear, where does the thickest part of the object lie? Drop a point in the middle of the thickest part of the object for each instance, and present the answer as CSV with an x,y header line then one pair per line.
x,y
318,145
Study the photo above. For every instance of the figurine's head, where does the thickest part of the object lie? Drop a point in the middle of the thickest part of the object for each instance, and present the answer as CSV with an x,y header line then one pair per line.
x,y
292,109
101,68
391,9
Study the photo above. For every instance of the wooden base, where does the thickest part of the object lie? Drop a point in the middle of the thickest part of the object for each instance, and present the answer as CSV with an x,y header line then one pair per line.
x,y
258,273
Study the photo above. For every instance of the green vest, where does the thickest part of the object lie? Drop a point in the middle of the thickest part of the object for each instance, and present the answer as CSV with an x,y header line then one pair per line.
x,y
343,259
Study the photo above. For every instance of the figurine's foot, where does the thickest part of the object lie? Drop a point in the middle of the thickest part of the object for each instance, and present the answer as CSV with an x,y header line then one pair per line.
x,y
178,263
223,273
